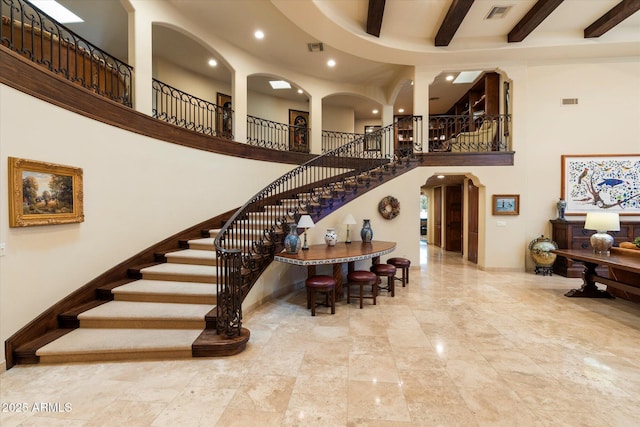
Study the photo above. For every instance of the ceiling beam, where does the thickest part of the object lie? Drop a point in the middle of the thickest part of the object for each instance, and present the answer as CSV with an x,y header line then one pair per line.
x,y
374,17
455,15
538,13
619,13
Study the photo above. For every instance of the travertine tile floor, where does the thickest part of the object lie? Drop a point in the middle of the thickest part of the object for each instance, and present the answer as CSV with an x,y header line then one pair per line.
x,y
457,347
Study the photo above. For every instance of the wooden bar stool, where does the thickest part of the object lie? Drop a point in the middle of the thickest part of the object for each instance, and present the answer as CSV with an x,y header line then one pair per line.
x,y
402,264
324,285
362,278
388,270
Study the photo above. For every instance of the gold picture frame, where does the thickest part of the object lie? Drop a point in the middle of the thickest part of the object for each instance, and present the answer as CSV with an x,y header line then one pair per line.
x,y
42,193
505,204
299,131
224,116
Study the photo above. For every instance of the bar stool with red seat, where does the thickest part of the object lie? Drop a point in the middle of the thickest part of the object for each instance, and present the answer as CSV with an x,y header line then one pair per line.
x,y
388,271
401,264
324,285
362,278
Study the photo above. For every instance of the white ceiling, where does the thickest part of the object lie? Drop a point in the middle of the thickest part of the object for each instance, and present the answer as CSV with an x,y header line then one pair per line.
x,y
406,39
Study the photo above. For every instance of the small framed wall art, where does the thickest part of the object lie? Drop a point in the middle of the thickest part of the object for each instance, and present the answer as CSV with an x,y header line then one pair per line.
x,y
43,193
505,204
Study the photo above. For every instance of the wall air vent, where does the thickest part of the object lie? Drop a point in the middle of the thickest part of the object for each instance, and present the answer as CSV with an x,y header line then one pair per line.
x,y
569,101
315,47
498,12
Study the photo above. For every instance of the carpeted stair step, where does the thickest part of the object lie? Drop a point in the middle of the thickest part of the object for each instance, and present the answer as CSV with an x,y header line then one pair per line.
x,y
192,256
94,345
166,291
206,243
145,315
180,272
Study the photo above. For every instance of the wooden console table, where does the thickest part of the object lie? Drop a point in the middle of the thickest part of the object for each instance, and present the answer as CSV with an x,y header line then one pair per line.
x,y
336,255
624,266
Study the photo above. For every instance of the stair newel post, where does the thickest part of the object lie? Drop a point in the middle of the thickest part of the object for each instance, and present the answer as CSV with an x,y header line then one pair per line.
x,y
229,289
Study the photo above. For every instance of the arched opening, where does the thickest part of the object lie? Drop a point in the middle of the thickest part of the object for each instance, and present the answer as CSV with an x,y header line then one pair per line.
x,y
453,216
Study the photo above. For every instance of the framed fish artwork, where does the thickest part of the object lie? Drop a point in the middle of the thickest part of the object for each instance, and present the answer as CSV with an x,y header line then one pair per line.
x,y
601,182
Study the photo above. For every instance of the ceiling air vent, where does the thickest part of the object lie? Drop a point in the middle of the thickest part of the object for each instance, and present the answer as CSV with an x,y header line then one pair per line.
x,y
498,12
315,47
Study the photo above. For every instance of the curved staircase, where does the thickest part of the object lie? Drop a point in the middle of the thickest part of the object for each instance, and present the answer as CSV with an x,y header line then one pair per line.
x,y
168,308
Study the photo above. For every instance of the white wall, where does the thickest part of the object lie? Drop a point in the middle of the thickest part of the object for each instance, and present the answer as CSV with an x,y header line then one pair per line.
x,y
187,81
137,191
273,108
338,119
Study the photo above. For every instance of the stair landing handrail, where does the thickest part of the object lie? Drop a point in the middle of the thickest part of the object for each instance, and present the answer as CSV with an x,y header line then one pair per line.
x,y
248,241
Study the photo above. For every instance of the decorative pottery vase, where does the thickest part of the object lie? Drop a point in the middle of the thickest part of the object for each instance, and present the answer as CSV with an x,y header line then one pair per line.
x,y
366,233
292,241
561,206
330,237
540,252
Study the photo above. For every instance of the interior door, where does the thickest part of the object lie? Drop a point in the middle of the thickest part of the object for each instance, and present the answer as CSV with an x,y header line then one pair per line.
x,y
453,218
472,249
437,216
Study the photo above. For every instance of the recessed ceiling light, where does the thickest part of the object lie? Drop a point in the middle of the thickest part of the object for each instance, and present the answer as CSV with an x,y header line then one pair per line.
x,y
331,63
300,91
375,111
212,62
258,34
400,110
467,77
279,84
57,11
449,77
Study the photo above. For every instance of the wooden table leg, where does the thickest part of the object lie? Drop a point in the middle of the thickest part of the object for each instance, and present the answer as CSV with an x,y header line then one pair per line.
x,y
337,274
311,270
589,288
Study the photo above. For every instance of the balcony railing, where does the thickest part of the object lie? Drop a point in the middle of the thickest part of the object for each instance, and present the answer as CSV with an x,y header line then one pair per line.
x,y
464,134
277,136
333,139
181,109
35,35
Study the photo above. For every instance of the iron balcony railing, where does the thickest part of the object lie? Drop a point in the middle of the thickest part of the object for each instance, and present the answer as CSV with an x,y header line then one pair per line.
x,y
277,136
247,243
465,134
35,35
182,109
333,139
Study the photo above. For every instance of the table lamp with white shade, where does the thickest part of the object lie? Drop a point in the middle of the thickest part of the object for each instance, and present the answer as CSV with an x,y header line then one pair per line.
x,y
348,220
305,222
602,222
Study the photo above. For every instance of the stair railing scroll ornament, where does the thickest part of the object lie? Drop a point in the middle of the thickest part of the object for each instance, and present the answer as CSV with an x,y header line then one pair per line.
x,y
311,188
229,294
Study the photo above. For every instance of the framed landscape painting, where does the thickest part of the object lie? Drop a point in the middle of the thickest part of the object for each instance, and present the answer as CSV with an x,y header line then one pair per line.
x,y
43,193
299,131
601,182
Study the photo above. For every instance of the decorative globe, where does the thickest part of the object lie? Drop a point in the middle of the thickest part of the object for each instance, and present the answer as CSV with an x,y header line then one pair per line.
x,y
540,253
